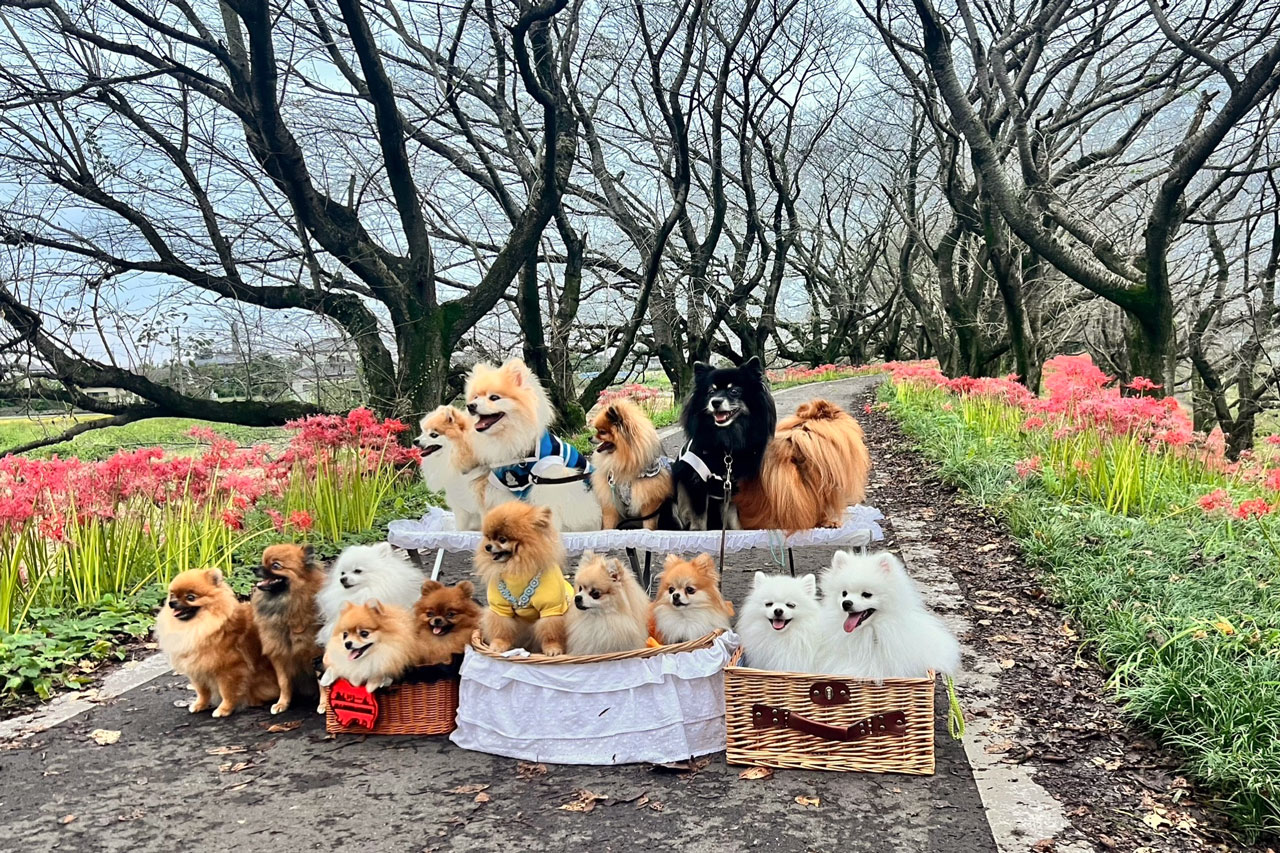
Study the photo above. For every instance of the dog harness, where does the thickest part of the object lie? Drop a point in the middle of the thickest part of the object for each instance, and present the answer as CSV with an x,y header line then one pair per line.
x,y
703,470
622,491
551,452
547,594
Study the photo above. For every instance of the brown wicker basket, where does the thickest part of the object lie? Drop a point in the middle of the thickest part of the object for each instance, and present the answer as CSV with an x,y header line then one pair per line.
x,y
819,722
410,708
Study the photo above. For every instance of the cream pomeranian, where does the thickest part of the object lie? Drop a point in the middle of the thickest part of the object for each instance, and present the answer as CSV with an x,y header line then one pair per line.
x,y
366,573
780,623
689,604
449,463
526,462
372,645
875,624
610,611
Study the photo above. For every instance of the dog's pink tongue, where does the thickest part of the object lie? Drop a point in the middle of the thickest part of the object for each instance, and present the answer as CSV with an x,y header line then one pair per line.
x,y
778,624
851,622
354,654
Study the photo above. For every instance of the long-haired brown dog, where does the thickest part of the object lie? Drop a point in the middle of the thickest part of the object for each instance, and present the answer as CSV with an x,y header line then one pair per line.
x,y
520,544
815,465
210,637
284,608
631,478
446,616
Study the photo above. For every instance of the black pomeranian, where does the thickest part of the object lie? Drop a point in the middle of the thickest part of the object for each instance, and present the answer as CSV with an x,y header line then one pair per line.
x,y
728,421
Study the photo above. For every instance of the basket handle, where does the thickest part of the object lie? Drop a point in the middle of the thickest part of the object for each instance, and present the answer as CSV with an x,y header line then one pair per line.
x,y
892,724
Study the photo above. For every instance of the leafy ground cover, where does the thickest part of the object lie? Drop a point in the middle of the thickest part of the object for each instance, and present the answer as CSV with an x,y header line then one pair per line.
x,y
1160,547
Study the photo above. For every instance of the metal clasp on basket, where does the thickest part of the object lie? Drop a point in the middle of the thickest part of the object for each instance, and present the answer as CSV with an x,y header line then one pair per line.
x,y
827,693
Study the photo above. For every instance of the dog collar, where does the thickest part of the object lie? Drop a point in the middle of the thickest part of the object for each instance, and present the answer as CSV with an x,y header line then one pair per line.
x,y
523,601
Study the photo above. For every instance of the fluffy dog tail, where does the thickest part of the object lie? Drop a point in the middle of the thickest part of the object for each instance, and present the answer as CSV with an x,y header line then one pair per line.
x,y
816,465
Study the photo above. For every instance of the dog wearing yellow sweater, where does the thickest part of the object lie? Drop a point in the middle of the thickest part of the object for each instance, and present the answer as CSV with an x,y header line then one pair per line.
x,y
519,563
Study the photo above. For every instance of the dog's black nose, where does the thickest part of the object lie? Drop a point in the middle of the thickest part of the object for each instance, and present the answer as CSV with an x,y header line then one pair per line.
x,y
777,613
577,599
675,596
173,603
471,407
350,645
847,605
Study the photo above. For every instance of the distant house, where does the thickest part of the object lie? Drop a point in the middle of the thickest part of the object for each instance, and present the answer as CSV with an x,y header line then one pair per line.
x,y
328,369
107,394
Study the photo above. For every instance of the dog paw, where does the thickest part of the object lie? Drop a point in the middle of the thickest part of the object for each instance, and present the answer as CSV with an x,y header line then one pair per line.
x,y
280,707
196,706
222,711
551,650
499,646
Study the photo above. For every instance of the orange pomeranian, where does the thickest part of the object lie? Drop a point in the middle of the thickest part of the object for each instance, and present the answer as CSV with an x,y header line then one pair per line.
x,y
372,645
815,466
632,479
519,562
610,610
284,609
211,638
445,616
689,604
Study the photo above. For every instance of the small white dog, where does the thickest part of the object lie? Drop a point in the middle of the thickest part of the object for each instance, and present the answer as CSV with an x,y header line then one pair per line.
x,y
875,625
610,611
449,463
780,623
365,573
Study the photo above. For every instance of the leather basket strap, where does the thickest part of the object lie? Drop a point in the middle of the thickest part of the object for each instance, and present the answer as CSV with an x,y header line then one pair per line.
x,y
892,724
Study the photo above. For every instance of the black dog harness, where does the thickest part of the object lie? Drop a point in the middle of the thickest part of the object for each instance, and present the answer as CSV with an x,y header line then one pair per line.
x,y
703,470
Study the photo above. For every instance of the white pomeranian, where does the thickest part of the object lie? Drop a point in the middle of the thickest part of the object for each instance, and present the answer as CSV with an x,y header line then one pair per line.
x,y
610,611
780,623
367,573
526,462
449,463
875,625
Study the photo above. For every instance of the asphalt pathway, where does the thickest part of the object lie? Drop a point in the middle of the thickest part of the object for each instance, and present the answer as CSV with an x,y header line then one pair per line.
x,y
175,781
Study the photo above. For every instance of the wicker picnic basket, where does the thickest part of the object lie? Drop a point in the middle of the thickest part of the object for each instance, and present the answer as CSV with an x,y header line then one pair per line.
x,y
821,722
652,705
415,706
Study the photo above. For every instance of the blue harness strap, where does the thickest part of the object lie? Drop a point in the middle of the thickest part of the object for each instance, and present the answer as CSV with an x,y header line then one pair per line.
x,y
551,452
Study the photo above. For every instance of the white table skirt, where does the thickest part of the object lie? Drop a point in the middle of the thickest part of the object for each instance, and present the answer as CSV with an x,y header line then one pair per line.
x,y
436,531
658,709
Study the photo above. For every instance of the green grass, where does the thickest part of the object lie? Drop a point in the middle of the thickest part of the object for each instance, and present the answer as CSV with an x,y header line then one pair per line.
x,y
170,433
1183,611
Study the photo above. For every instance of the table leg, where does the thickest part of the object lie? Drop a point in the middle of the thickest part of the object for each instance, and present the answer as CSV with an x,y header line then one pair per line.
x,y
435,570
791,561
634,559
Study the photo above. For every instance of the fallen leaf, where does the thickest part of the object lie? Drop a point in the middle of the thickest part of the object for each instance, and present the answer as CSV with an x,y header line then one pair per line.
x,y
657,807
66,820
528,771
585,802
812,802
104,737
1044,845
468,789
1155,820
235,768
998,748
1007,663
226,750
1067,631
756,773
990,546
284,727
481,798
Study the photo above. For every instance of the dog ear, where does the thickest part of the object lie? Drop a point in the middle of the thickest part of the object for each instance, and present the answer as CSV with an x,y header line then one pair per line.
x,y
761,577
214,576
374,606
346,605
614,416
701,370
841,560
543,518
429,586
615,569
671,560
308,553
467,588
886,563
810,584
517,370
753,364
705,562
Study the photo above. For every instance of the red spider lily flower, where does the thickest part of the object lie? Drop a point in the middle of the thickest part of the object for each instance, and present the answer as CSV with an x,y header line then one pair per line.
x,y
1252,508
1273,439
1142,383
1026,467
1215,500
301,519
1033,422
277,520
1272,480
1083,466
233,519
867,409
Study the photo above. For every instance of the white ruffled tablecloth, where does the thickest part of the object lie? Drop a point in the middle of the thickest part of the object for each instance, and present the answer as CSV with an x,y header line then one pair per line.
x,y
656,710
436,531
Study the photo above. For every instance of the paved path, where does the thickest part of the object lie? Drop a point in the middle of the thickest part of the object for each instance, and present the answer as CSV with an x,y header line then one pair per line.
x,y
175,781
